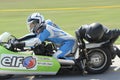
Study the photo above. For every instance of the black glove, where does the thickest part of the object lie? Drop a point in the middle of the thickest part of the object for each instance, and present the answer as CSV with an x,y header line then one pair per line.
x,y
13,43
9,44
113,33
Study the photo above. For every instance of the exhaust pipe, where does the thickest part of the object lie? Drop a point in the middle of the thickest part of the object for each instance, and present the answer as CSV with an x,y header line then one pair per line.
x,y
69,62
66,62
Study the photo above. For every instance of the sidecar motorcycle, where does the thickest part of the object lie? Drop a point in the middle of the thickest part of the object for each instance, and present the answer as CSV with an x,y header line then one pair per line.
x,y
94,59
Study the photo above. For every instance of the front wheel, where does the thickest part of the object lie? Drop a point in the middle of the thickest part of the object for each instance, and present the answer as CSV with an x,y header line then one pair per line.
x,y
99,61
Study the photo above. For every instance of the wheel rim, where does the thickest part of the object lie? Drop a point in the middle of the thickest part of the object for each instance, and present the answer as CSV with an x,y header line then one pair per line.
x,y
97,59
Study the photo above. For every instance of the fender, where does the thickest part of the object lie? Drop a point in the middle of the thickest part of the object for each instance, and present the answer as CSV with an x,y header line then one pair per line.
x,y
94,45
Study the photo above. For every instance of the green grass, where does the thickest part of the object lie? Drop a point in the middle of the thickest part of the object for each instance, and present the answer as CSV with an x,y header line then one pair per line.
x,y
84,12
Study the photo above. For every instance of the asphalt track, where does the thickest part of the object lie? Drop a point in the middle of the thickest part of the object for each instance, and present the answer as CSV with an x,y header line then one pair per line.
x,y
113,73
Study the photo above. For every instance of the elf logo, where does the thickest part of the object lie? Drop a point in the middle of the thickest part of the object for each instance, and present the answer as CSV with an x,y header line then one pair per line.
x,y
17,61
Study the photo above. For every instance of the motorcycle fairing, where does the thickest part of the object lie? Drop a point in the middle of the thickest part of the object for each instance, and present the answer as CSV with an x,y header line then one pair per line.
x,y
19,63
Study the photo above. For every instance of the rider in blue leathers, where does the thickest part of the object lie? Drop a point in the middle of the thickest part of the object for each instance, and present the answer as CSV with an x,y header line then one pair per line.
x,y
46,30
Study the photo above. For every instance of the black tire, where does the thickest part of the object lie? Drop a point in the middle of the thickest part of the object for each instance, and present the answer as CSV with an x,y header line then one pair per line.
x,y
114,50
99,60
5,76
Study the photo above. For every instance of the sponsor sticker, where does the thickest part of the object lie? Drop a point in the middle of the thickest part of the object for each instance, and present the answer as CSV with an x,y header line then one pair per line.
x,y
45,63
17,62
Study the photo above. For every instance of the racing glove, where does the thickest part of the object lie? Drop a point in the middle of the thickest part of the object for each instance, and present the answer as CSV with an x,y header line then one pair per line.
x,y
12,44
113,33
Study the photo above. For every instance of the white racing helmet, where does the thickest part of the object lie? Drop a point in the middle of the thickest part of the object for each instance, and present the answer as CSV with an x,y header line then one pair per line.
x,y
36,19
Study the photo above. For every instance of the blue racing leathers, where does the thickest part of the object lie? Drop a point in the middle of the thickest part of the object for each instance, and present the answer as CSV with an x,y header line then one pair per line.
x,y
51,32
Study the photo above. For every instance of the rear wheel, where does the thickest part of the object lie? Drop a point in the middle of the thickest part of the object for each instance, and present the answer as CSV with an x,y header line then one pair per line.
x,y
99,60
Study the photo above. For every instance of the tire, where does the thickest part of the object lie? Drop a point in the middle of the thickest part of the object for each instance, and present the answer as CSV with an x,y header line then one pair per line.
x,y
99,60
5,76
114,50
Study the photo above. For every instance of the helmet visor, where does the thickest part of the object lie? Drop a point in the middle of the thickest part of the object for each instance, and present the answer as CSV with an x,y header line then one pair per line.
x,y
30,26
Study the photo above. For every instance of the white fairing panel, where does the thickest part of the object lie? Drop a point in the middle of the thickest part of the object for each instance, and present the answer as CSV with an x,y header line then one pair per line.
x,y
4,37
